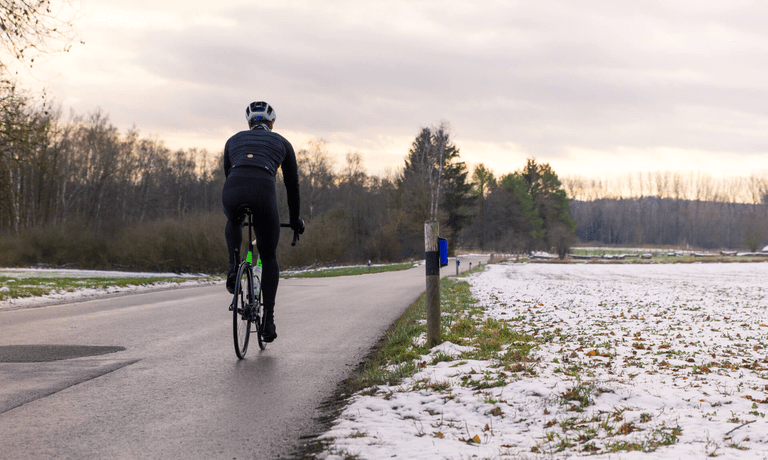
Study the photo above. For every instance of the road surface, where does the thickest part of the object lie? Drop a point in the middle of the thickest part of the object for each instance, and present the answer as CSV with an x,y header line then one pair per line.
x,y
158,377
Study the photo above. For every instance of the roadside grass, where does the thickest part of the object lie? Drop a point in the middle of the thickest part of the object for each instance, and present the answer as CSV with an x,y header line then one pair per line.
x,y
397,355
21,287
347,271
391,360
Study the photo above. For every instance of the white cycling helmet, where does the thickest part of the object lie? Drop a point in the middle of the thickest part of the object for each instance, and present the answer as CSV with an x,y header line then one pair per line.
x,y
259,112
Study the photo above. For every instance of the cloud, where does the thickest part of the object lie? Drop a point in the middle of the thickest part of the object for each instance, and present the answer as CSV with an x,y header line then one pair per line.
x,y
549,77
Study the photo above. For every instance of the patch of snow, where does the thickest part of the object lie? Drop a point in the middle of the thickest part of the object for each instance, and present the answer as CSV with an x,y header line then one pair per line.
x,y
449,349
89,293
72,273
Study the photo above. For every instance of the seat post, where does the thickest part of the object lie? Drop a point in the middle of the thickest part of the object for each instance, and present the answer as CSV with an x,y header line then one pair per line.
x,y
250,236
245,211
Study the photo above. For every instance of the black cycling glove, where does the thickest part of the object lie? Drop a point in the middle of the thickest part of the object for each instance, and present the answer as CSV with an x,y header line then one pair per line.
x,y
298,226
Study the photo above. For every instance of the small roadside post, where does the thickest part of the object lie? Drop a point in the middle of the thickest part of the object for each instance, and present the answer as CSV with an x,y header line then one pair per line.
x,y
432,259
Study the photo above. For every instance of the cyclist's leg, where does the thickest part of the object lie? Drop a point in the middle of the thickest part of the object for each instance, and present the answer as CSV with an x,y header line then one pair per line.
x,y
234,235
236,191
267,237
233,195
270,272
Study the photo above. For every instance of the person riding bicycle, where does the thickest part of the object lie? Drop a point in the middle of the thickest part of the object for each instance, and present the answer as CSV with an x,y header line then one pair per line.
x,y
251,159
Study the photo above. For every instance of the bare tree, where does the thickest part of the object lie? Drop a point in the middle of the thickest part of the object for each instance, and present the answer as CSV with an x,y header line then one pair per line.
x,y
31,27
316,175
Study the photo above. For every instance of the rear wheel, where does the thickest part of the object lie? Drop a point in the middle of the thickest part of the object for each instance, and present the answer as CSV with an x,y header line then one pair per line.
x,y
242,311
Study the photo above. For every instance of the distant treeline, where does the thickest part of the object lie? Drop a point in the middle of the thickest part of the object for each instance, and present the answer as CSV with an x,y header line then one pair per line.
x,y
86,171
671,222
78,192
671,209
670,184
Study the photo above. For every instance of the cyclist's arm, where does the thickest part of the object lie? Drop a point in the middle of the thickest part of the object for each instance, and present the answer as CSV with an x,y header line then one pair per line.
x,y
291,179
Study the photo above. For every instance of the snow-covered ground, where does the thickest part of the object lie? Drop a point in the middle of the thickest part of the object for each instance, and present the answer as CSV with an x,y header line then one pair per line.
x,y
668,359
88,293
71,273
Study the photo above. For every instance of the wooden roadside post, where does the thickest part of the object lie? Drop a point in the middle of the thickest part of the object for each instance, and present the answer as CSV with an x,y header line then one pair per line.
x,y
432,249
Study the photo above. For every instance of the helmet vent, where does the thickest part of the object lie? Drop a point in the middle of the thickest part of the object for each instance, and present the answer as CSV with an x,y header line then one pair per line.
x,y
259,111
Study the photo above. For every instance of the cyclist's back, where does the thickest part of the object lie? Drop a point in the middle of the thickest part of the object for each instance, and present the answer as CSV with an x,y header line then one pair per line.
x,y
259,148
251,159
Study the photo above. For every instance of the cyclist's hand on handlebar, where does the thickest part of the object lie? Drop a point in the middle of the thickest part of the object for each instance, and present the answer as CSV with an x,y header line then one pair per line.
x,y
298,226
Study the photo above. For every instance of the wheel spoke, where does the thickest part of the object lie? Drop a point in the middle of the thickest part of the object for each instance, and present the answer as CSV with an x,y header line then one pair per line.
x,y
241,313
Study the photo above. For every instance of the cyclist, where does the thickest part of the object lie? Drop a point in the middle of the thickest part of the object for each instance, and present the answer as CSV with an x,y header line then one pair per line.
x,y
251,159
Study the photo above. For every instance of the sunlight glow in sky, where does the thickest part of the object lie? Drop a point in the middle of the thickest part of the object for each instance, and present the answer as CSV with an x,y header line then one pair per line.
x,y
594,88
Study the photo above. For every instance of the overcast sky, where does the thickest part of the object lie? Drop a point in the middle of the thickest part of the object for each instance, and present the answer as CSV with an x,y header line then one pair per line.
x,y
592,87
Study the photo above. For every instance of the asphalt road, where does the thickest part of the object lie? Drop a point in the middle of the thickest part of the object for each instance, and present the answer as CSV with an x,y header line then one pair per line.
x,y
169,385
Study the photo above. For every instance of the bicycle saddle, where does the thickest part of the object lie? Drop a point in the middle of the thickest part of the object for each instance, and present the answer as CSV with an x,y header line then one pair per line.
x,y
243,210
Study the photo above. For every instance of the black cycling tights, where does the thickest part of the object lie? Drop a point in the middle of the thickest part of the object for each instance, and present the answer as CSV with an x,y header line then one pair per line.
x,y
259,193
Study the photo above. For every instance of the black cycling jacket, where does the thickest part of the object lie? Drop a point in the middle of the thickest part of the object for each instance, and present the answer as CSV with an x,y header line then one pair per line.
x,y
264,149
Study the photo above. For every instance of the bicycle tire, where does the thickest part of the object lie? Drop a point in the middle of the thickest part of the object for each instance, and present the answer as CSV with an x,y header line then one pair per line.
x,y
258,313
241,314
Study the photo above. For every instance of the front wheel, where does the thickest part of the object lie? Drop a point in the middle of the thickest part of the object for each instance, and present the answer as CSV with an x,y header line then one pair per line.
x,y
241,313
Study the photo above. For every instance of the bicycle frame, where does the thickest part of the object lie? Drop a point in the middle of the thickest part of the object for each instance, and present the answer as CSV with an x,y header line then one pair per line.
x,y
249,312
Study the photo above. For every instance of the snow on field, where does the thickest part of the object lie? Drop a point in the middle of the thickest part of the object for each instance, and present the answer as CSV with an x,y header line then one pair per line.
x,y
71,273
87,293
642,361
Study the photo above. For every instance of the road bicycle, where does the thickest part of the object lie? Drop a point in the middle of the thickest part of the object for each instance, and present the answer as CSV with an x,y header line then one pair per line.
x,y
246,307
